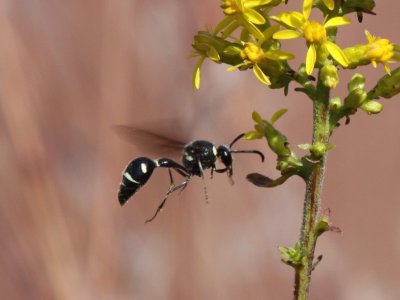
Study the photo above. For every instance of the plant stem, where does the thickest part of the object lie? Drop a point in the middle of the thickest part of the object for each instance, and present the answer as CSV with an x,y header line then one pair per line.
x,y
312,202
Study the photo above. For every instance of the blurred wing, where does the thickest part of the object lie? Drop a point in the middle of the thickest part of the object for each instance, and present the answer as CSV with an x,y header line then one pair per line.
x,y
150,142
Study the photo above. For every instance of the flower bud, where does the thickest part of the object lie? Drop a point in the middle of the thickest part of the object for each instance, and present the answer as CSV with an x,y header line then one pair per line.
x,y
329,76
209,45
355,99
356,56
292,256
319,149
356,82
372,107
388,86
335,103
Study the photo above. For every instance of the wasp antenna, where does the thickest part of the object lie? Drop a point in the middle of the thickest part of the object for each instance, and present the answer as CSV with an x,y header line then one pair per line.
x,y
250,151
236,139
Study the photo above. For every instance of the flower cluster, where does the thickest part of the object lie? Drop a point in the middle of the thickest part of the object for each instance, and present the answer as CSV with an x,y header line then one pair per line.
x,y
250,36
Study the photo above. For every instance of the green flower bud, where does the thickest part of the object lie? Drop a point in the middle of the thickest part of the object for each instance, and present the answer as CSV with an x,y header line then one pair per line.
x,y
319,149
217,49
329,76
357,56
335,103
356,82
388,86
292,256
355,99
372,107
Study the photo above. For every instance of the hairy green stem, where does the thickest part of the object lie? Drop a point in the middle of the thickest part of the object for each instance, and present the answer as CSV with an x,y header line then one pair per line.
x,y
312,202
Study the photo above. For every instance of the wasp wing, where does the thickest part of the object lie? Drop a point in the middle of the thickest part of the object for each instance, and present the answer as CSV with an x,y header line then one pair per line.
x,y
150,142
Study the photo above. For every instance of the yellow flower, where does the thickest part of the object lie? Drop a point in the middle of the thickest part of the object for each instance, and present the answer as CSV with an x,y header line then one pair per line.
x,y
245,8
380,50
313,32
377,50
243,12
254,56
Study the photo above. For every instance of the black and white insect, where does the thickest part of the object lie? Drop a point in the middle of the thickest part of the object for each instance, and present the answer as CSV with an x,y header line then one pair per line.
x,y
197,157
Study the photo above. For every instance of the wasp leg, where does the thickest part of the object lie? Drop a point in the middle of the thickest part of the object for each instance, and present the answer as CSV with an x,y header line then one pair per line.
x,y
171,189
228,171
169,163
204,183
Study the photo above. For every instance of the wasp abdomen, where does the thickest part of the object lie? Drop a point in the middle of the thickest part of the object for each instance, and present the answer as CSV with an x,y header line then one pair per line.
x,y
135,175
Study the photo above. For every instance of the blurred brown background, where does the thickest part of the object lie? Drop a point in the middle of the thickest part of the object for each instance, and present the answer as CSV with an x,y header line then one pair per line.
x,y
72,69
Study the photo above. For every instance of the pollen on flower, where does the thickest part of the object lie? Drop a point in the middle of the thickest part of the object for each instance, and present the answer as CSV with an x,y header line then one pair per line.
x,y
380,50
315,33
252,53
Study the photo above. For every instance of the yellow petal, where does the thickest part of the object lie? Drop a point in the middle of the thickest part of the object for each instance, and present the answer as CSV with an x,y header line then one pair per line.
x,y
286,34
260,75
255,3
387,69
369,36
330,4
336,53
291,19
196,74
337,21
253,29
307,6
254,16
310,59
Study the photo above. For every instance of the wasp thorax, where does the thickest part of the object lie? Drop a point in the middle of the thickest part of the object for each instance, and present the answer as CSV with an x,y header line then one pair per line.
x,y
198,156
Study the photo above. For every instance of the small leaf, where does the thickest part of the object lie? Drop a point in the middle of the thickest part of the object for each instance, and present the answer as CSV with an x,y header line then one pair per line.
x,y
213,54
252,135
223,24
292,256
256,117
269,32
277,115
278,55
263,181
232,50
